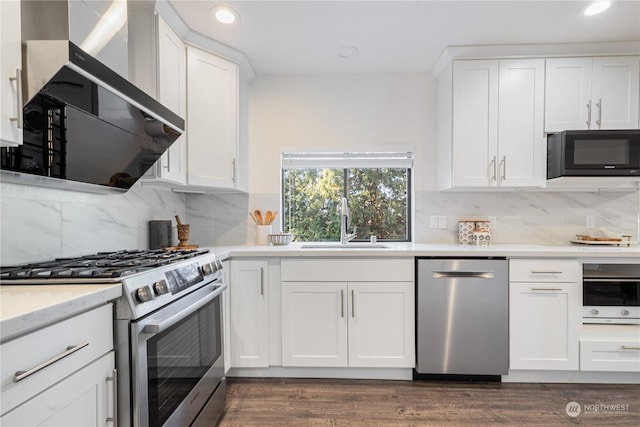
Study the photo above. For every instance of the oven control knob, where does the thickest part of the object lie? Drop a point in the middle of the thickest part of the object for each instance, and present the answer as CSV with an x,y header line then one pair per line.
x,y
144,294
206,269
595,311
214,266
624,312
161,287
219,264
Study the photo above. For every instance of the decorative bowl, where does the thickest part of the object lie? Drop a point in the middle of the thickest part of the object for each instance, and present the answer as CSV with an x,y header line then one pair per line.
x,y
280,239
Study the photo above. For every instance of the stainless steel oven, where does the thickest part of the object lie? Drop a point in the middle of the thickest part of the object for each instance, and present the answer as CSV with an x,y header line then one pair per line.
x,y
177,361
168,330
611,293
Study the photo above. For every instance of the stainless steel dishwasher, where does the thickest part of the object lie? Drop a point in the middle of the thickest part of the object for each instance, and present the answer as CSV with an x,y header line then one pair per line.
x,y
462,318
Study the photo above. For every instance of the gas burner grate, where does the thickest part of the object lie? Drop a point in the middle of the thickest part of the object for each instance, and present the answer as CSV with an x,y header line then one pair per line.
x,y
101,265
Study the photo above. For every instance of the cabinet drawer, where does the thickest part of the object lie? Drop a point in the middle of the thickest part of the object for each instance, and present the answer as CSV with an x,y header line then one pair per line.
x,y
90,334
348,270
544,270
618,356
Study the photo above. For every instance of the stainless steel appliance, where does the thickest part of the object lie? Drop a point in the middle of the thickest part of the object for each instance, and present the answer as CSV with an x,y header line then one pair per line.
x,y
168,330
611,293
85,126
593,153
462,318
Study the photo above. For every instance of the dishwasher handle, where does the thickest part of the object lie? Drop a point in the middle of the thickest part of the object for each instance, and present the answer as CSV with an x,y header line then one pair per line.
x,y
456,274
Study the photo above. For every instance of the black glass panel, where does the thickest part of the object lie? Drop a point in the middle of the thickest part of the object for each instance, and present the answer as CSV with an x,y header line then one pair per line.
x,y
611,293
79,131
179,357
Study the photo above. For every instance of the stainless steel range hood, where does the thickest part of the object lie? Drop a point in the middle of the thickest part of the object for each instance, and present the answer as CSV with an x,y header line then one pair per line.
x,y
84,122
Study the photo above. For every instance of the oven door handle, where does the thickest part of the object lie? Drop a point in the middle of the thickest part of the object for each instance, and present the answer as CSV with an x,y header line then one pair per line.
x,y
611,280
158,327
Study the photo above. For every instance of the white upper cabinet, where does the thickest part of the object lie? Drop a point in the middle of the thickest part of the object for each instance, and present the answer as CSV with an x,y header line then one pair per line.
x,y
172,92
592,93
10,74
212,120
497,124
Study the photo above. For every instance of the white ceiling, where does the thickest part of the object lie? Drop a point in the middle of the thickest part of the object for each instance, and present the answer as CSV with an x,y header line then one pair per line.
x,y
287,37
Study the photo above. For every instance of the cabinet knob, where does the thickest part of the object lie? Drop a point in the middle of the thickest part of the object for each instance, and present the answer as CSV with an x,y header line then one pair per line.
x,y
595,311
624,312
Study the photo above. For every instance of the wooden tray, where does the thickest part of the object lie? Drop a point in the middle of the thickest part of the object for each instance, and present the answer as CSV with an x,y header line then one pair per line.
x,y
588,240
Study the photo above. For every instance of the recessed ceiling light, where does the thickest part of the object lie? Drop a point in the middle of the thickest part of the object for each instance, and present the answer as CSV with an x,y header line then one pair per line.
x,y
225,14
348,52
596,7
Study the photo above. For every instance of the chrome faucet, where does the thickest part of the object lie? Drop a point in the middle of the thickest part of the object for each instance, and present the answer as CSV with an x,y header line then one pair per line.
x,y
344,224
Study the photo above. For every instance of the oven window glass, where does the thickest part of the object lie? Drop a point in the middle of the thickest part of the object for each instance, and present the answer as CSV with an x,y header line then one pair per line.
x,y
598,152
611,293
179,357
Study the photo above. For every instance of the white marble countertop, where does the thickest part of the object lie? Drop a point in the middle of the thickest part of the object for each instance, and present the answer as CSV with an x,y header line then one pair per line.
x,y
630,253
24,308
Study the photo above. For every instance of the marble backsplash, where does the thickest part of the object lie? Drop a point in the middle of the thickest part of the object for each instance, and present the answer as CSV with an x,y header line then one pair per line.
x,y
41,223
544,218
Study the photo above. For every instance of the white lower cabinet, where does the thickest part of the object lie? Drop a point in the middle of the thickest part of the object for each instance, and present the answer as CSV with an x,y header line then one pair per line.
x,y
350,323
249,306
62,374
314,324
86,399
544,314
610,348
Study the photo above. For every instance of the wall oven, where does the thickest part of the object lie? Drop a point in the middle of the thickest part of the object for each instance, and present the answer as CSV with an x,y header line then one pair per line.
x,y
611,294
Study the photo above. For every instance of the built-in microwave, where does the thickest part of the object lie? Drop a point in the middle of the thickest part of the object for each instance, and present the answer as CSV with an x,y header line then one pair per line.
x,y
593,153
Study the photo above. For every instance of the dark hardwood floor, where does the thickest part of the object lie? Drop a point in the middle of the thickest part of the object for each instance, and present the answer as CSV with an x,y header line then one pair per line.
x,y
322,402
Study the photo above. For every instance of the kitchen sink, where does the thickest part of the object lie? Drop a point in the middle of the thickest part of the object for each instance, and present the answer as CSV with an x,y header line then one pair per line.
x,y
363,245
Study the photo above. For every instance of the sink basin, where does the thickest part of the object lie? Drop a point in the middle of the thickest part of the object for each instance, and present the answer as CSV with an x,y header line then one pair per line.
x,y
330,245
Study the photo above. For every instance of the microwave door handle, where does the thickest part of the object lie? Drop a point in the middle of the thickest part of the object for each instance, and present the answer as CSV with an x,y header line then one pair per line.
x,y
599,121
163,324
589,115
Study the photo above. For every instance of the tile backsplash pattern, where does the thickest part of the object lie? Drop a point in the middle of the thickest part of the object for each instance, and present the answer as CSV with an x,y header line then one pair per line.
x,y
41,223
544,218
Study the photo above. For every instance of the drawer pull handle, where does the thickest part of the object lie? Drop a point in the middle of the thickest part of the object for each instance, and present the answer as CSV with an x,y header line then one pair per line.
x,y
114,379
547,289
20,375
545,272
624,347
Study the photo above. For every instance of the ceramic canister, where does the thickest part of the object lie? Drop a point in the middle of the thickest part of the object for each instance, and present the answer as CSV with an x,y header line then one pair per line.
x,y
465,230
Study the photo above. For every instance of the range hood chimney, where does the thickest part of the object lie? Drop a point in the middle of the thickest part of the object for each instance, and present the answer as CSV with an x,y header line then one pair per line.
x,y
85,123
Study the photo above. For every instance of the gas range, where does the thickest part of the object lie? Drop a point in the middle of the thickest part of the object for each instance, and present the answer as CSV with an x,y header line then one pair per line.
x,y
150,278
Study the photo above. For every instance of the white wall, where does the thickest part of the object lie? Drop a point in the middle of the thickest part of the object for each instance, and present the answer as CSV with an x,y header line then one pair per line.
x,y
338,112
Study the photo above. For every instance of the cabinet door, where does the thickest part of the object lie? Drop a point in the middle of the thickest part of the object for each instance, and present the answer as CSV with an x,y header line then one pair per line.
x,y
381,324
615,92
522,146
475,123
10,68
212,119
568,95
85,398
544,324
314,324
249,314
172,92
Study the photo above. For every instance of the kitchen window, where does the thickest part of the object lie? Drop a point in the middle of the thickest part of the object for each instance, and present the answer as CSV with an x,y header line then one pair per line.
x,y
377,186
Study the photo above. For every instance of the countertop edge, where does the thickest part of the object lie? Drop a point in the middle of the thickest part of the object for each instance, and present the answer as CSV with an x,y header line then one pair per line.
x,y
23,323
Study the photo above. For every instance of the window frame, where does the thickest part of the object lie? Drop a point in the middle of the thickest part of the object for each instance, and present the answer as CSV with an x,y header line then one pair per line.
x,y
345,189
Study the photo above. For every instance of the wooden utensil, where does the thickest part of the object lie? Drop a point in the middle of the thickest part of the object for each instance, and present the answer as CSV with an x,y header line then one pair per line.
x,y
268,218
253,217
178,220
258,216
